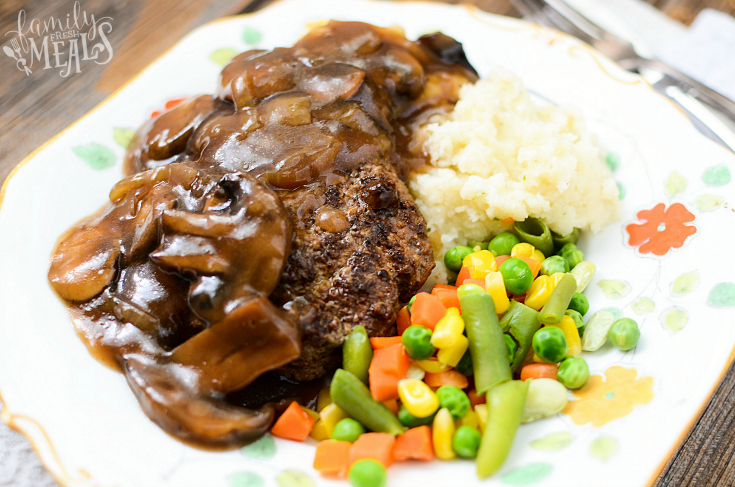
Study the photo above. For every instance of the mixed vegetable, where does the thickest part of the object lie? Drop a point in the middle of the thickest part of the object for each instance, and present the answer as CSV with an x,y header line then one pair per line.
x,y
471,362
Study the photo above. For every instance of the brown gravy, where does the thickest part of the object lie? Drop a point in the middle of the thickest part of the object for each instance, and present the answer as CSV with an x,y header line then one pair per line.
x,y
170,281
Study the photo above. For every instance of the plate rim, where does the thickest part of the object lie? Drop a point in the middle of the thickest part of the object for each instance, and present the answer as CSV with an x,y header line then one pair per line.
x,y
9,418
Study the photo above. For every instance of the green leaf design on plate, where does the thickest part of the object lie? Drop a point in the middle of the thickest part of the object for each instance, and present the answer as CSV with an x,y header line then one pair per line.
x,y
621,190
552,442
685,283
263,448
245,479
123,136
223,55
616,312
613,288
675,184
708,202
613,161
674,318
97,156
643,305
604,448
294,478
716,175
722,295
251,35
527,475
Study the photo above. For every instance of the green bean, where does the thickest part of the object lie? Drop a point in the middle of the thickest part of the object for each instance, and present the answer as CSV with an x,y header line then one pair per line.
x,y
521,322
350,394
504,411
535,232
487,344
357,353
559,300
561,240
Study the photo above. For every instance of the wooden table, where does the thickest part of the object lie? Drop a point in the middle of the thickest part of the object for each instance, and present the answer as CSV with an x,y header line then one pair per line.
x,y
34,109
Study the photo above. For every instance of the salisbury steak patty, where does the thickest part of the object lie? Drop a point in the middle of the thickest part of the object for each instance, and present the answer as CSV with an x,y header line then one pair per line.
x,y
361,275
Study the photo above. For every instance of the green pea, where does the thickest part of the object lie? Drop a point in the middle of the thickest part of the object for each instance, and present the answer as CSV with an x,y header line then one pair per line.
x,y
573,372
561,240
464,366
552,265
517,276
416,340
624,334
578,320
347,429
466,442
466,289
550,344
503,243
410,303
512,347
368,473
454,257
571,254
454,399
474,243
579,303
408,419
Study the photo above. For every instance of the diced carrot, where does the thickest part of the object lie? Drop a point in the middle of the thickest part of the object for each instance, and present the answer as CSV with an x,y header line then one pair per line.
x,y
447,295
391,360
378,446
479,282
414,444
464,273
388,366
475,399
392,404
539,371
403,320
427,310
500,259
447,378
294,424
331,457
520,298
383,387
533,264
382,342
507,221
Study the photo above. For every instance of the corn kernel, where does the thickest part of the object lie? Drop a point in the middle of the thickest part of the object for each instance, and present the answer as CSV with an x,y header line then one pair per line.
x,y
574,343
319,431
522,249
432,365
415,372
539,292
480,264
418,398
448,329
452,354
495,287
442,433
324,399
328,419
469,419
555,278
538,255
481,410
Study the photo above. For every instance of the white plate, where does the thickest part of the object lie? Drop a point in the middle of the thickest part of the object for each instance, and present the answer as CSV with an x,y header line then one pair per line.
x,y
88,427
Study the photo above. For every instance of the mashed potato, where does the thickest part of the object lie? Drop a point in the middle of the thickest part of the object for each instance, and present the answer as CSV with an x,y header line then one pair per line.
x,y
500,157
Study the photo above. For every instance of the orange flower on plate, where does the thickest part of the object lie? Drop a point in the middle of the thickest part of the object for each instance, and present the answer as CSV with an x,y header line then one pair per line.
x,y
167,106
601,401
663,229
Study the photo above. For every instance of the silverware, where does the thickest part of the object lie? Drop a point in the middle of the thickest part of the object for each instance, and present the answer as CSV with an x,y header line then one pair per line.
x,y
712,113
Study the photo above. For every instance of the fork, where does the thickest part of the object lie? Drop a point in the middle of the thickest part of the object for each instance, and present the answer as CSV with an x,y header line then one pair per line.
x,y
21,59
691,96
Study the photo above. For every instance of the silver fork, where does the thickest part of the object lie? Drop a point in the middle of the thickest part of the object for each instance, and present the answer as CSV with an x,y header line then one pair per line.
x,y
691,96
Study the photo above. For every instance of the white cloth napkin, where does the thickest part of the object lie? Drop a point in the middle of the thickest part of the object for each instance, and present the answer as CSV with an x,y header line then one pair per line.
x,y
705,50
